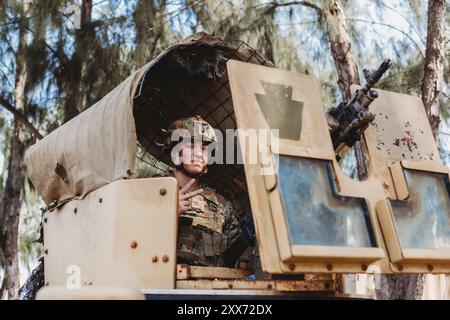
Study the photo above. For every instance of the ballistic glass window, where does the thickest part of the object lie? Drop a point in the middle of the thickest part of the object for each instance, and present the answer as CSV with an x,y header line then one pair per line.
x,y
315,214
423,220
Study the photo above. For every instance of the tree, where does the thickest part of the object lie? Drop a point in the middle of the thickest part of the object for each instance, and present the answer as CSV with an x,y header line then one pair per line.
x,y
11,202
434,62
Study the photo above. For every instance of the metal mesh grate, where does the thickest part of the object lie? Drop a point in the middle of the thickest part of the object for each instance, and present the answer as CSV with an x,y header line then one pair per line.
x,y
167,92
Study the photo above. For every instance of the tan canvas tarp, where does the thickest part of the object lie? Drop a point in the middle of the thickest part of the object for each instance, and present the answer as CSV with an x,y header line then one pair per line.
x,y
99,145
93,149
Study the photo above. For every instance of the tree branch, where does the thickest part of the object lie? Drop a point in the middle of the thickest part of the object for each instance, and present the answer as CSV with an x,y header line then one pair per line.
x,y
21,118
60,55
294,3
418,45
274,5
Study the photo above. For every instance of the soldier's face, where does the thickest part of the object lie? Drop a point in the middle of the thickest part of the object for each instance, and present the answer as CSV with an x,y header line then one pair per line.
x,y
194,157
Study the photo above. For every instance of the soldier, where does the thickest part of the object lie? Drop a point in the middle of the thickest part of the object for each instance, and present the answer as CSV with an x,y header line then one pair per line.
x,y
208,224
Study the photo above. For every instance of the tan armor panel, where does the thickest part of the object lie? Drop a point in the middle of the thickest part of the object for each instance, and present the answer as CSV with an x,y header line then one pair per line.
x,y
415,218
341,233
309,216
109,238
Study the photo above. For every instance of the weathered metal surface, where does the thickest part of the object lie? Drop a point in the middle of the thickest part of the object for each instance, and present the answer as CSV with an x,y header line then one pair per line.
x,y
292,232
279,285
401,131
185,272
112,242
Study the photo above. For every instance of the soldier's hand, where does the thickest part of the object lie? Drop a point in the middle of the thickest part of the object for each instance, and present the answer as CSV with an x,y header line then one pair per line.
x,y
184,197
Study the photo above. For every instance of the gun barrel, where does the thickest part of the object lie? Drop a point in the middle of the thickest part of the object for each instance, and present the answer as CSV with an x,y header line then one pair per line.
x,y
377,74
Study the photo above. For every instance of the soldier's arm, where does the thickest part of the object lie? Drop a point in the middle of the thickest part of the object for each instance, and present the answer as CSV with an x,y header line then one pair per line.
x,y
240,236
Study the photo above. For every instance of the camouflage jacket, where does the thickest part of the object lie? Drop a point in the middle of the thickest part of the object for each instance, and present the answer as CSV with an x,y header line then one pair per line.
x,y
206,229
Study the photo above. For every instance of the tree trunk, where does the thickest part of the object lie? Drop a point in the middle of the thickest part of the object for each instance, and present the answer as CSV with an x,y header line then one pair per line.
x,y
11,210
345,62
11,202
77,97
434,62
341,50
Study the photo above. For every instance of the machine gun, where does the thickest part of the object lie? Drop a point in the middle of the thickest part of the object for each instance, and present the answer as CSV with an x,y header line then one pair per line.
x,y
348,120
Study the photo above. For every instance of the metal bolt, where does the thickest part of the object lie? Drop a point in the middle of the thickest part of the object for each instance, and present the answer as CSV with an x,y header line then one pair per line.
x,y
100,200
291,266
329,266
165,258
155,259
162,191
133,244
400,267
430,267
364,267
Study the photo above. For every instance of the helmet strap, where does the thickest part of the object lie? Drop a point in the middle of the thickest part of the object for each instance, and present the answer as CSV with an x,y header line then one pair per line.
x,y
190,174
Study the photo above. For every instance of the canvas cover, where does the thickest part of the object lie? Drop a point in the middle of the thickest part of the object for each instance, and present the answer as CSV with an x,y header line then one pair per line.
x,y
99,145
91,150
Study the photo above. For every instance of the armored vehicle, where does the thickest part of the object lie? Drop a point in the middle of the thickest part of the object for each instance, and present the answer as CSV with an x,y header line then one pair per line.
x,y
110,226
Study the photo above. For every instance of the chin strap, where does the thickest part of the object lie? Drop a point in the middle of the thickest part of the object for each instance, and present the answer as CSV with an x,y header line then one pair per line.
x,y
190,174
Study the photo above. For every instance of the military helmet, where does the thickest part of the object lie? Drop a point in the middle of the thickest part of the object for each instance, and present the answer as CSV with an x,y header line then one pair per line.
x,y
195,128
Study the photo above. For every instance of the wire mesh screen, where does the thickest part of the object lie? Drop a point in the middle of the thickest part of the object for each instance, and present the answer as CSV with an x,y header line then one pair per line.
x,y
186,80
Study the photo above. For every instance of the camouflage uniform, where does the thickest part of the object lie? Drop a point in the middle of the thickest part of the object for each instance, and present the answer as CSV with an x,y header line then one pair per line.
x,y
206,229
210,224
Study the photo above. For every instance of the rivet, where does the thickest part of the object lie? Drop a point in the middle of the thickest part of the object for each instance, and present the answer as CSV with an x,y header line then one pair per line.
x,y
100,200
364,267
291,266
162,191
430,267
165,258
399,267
155,259
133,244
329,266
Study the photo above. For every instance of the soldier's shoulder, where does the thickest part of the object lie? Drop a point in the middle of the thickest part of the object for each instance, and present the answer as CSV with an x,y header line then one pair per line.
x,y
212,194
163,174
